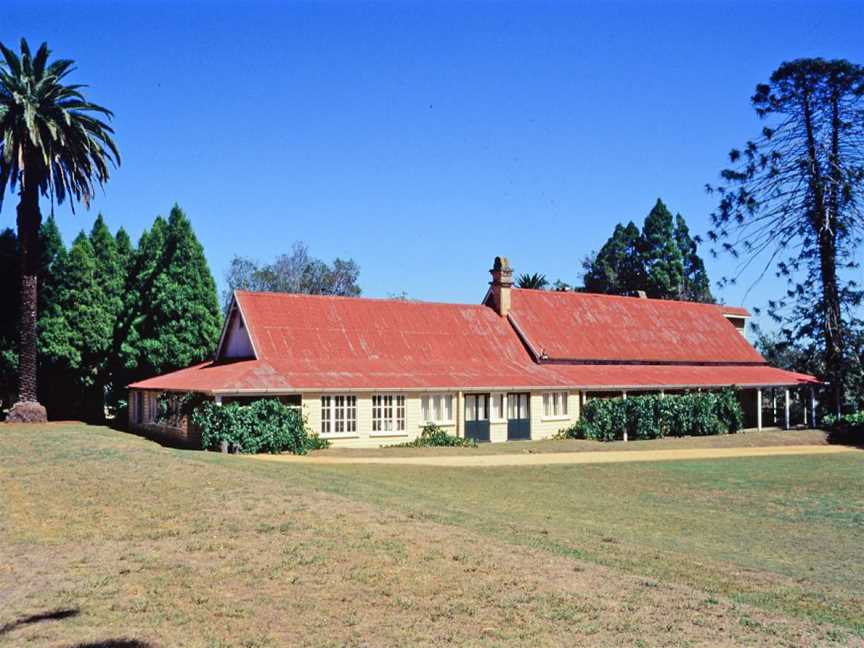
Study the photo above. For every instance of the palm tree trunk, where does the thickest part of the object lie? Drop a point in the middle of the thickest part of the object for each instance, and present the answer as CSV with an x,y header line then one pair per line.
x,y
29,219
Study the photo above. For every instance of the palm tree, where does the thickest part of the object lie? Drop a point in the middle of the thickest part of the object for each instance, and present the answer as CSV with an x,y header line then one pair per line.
x,y
52,145
534,281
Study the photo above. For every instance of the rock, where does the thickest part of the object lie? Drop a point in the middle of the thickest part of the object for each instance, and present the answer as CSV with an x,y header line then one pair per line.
x,y
27,412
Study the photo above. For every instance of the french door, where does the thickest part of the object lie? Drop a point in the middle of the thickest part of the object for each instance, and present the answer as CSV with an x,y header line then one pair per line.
x,y
477,417
518,417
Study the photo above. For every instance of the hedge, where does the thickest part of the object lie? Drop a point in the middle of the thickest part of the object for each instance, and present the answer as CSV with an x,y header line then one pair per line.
x,y
263,426
654,417
846,423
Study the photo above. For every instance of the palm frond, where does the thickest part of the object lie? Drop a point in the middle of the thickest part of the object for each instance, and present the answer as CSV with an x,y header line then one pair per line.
x,y
52,137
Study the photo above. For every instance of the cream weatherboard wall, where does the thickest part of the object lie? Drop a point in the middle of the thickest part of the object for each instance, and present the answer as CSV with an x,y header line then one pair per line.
x,y
364,437
541,426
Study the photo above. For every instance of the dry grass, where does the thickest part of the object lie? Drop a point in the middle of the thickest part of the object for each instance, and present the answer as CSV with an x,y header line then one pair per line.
x,y
109,540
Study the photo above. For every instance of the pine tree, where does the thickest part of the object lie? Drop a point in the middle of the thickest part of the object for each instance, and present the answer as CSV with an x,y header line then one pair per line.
x,y
696,286
78,327
119,371
124,249
617,269
56,383
109,266
111,270
177,320
663,262
52,251
791,203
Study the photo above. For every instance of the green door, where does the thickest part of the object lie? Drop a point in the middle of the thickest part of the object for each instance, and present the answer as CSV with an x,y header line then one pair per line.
x,y
477,417
518,417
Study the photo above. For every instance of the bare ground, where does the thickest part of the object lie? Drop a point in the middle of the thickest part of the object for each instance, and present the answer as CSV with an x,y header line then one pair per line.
x,y
769,437
564,458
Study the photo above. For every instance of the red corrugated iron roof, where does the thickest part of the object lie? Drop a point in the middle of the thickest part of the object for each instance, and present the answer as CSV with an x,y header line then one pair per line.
x,y
261,377
590,327
738,311
309,343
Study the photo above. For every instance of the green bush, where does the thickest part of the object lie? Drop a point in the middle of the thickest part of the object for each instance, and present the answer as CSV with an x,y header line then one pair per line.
x,y
263,426
845,423
433,436
653,417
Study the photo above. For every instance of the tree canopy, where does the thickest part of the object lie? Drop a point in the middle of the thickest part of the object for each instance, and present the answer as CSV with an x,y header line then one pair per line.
x,y
177,318
110,313
57,144
661,259
790,202
535,281
296,272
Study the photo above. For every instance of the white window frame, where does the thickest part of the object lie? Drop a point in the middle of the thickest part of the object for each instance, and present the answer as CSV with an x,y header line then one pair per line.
x,y
338,415
430,404
555,406
498,407
516,403
388,415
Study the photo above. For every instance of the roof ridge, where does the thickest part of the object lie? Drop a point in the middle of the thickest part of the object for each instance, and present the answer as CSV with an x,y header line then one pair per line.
x,y
386,300
579,293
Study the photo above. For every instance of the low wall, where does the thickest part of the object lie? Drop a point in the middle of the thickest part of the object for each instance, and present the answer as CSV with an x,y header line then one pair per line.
x,y
180,436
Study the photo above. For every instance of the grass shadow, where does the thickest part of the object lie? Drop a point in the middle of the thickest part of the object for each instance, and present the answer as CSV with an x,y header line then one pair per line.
x,y
854,439
114,643
53,615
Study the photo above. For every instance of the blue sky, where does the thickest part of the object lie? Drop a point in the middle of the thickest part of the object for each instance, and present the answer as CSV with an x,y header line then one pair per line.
x,y
423,139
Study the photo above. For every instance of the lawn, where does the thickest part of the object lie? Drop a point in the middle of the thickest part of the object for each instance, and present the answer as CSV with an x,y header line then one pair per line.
x,y
106,537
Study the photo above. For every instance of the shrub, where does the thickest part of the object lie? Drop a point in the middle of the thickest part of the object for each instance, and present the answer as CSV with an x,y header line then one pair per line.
x,y
264,426
653,417
850,423
434,436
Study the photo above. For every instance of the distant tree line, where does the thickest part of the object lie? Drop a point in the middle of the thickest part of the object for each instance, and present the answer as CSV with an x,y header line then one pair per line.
x,y
297,272
109,312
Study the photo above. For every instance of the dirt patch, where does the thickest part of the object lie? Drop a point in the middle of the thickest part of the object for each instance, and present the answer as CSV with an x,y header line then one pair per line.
x,y
561,458
769,437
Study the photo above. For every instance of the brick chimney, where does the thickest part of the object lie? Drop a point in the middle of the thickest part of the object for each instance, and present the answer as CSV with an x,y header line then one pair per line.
x,y
502,282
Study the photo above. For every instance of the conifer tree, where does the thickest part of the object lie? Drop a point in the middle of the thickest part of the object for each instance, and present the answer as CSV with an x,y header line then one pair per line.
x,y
52,251
124,249
696,286
617,269
78,327
120,374
791,202
661,258
56,383
177,318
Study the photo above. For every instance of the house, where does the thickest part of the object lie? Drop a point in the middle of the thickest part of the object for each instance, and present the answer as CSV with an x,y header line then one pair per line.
x,y
520,365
